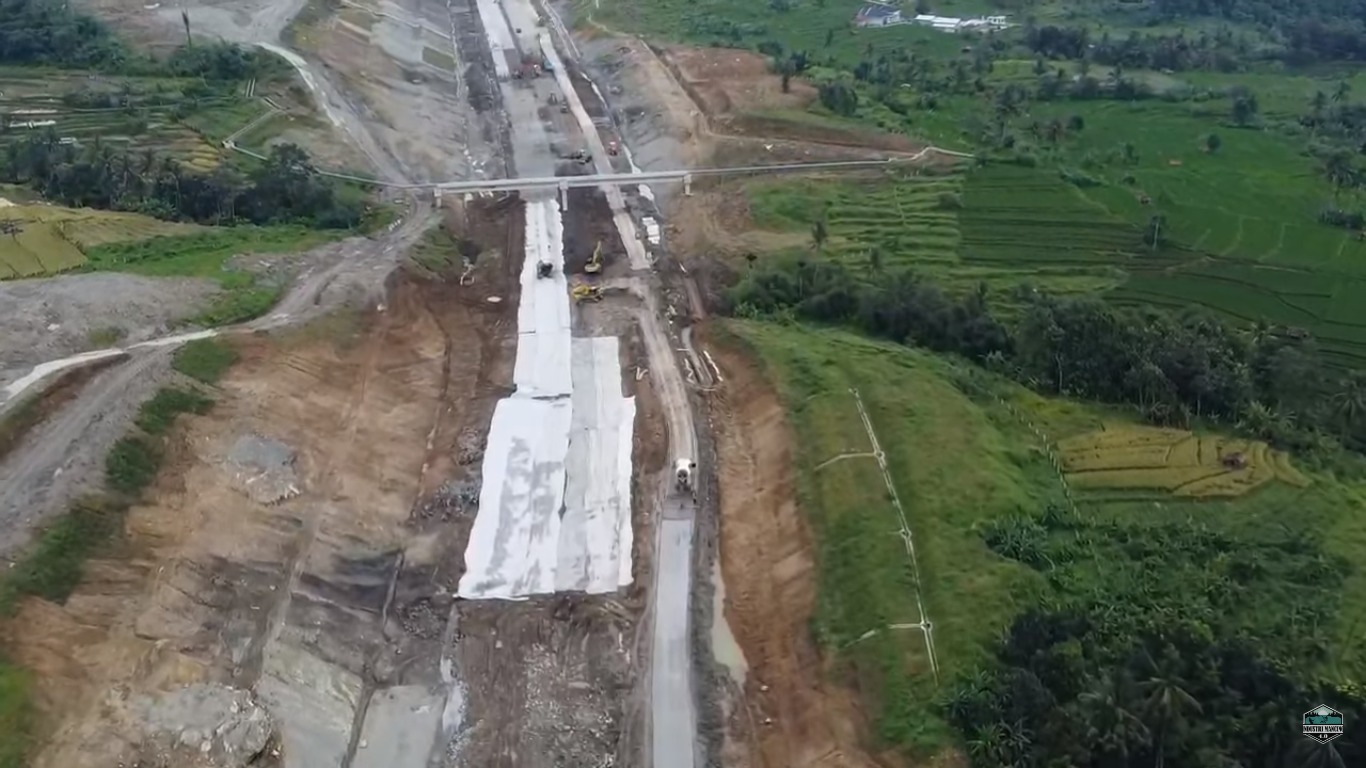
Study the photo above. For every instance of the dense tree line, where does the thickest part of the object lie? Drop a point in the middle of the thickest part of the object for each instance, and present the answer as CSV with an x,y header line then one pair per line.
x,y
1170,644
284,188
1221,50
1173,368
48,32
51,32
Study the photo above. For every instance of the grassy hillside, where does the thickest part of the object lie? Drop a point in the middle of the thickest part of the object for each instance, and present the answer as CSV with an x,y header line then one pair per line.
x,y
966,451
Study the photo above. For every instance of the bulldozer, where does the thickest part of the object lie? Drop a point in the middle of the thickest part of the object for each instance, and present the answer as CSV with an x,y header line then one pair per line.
x,y
585,292
594,264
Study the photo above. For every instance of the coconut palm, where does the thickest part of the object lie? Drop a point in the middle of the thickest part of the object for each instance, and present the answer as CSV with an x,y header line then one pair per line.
x,y
1349,402
1112,726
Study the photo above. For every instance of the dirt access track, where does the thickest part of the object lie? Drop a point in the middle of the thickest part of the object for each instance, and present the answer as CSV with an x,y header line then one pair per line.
x,y
301,551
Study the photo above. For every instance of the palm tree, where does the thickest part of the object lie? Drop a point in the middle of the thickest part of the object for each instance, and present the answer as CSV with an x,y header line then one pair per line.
x,y
819,233
1166,703
1112,726
1318,103
1349,402
1337,168
988,745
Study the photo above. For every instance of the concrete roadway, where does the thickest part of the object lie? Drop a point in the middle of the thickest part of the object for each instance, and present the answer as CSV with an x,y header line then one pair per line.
x,y
673,719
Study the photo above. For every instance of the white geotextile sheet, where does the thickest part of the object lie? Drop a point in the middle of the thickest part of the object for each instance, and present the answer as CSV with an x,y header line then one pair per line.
x,y
498,34
514,545
554,512
543,320
596,536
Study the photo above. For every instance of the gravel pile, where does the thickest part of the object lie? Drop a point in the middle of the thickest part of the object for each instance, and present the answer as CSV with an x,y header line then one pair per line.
x,y
221,726
264,469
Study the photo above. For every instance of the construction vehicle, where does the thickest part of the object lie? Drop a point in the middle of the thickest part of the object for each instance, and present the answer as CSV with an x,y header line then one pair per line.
x,y
585,292
544,268
594,264
684,469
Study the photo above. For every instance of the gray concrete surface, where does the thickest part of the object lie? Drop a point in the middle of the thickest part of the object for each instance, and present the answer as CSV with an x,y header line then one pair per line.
x,y
401,727
315,702
672,712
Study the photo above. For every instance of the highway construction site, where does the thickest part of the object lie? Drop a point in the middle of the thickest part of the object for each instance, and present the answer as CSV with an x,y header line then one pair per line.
x,y
435,517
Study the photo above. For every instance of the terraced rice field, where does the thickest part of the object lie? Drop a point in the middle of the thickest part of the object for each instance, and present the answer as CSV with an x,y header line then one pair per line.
x,y
53,239
35,101
1173,461
903,218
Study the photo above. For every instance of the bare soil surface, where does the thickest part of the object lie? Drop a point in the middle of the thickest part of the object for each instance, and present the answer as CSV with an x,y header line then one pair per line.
x,y
728,80
717,222
53,317
417,74
305,600
295,564
794,715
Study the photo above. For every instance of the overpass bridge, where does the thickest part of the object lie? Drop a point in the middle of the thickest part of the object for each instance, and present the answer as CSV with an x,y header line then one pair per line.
x,y
563,183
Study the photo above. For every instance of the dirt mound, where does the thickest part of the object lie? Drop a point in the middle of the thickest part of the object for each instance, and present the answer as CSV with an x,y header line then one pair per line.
x,y
792,715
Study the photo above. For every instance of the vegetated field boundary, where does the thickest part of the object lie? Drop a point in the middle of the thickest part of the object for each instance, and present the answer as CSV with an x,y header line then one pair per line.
x,y
54,564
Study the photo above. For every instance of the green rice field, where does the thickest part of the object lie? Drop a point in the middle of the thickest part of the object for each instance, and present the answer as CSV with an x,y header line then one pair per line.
x,y
54,239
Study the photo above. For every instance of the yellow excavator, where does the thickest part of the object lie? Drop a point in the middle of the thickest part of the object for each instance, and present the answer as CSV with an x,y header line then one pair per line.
x,y
594,264
586,292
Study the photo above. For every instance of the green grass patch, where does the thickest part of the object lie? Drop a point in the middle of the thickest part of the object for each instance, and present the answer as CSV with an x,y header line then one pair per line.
x,y
15,715
205,359
132,464
157,416
437,250
980,467
53,567
206,255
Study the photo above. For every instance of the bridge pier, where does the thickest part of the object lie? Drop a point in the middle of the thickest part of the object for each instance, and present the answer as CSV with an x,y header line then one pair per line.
x,y
687,185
